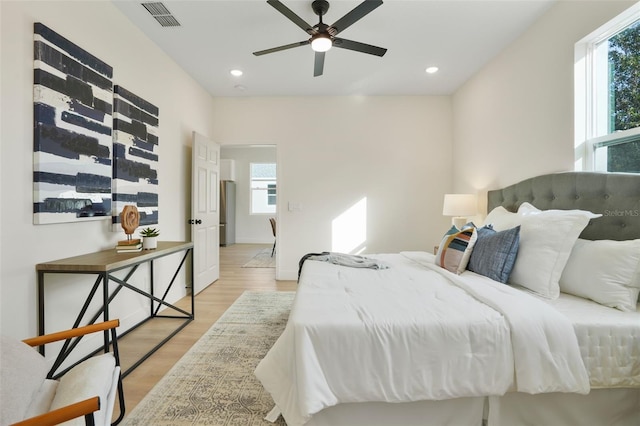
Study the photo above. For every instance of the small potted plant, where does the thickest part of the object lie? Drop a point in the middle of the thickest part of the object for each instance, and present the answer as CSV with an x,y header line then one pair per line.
x,y
149,238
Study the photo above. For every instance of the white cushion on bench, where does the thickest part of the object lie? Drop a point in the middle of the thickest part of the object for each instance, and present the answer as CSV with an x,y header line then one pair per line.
x,y
43,398
92,377
21,376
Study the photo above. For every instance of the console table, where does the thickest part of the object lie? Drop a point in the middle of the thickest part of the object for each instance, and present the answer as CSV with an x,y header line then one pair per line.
x,y
103,264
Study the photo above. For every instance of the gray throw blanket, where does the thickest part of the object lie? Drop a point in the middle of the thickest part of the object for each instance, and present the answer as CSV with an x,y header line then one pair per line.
x,y
350,260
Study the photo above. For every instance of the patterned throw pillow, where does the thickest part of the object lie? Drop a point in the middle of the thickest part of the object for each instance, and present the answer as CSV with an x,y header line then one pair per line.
x,y
455,249
494,253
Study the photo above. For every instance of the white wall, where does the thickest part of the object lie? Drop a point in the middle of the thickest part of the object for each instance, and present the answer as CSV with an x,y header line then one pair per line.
x,y
250,228
511,121
140,67
334,151
514,119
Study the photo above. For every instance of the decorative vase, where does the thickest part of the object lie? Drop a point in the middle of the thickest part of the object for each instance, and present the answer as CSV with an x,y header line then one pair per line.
x,y
149,243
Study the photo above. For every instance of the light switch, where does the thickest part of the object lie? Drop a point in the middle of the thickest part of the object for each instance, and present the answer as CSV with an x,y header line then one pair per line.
x,y
294,206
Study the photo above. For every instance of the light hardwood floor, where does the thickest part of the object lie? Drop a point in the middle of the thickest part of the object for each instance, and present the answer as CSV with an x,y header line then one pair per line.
x,y
210,304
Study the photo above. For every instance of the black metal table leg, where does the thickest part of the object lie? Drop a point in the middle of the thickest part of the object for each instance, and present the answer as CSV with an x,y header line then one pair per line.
x,y
103,264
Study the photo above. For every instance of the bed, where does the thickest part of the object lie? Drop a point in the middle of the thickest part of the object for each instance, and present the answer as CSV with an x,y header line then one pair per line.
x,y
419,341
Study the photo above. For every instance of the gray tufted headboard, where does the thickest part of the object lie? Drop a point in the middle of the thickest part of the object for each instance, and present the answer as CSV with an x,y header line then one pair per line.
x,y
615,195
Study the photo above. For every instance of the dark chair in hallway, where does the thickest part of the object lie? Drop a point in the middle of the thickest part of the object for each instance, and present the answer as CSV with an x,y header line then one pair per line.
x,y
272,221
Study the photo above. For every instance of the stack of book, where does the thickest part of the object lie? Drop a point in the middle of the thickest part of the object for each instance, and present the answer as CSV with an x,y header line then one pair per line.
x,y
129,246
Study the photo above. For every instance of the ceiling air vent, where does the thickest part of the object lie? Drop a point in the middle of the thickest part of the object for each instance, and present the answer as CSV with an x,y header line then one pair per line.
x,y
162,14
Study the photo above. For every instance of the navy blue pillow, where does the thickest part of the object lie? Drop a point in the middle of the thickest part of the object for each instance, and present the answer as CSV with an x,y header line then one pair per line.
x,y
494,253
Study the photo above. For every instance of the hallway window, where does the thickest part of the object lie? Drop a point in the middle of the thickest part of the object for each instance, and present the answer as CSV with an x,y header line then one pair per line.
x,y
263,188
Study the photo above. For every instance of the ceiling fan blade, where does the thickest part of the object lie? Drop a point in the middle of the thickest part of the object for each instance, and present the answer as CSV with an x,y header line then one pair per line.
x,y
279,48
318,64
292,16
358,47
355,15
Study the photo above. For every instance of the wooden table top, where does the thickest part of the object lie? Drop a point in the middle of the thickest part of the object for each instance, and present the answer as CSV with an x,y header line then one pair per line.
x,y
110,259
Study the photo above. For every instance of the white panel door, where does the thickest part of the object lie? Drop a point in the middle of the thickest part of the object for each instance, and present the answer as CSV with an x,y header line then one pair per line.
x,y
205,213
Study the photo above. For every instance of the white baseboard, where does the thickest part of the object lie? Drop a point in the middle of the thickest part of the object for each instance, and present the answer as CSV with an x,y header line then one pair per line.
x,y
253,241
287,274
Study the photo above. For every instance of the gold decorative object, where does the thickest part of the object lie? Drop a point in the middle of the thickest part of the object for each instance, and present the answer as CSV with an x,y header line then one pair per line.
x,y
129,220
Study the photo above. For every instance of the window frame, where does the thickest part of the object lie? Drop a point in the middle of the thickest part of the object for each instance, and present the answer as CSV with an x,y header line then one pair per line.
x,y
587,88
267,189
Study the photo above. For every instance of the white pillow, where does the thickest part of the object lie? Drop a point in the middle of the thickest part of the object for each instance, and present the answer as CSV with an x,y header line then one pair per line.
x,y
527,208
23,372
546,239
42,400
605,271
90,378
502,219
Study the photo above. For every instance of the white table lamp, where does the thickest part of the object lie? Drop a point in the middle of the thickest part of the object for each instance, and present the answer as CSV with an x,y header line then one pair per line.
x,y
460,206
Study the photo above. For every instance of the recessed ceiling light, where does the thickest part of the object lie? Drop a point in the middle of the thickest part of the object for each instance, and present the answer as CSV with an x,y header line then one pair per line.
x,y
236,73
431,70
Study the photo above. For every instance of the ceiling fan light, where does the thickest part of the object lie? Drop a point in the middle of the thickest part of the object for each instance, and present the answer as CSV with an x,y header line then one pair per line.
x,y
321,43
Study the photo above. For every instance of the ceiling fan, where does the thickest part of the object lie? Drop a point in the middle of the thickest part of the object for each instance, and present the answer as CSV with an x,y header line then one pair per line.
x,y
323,36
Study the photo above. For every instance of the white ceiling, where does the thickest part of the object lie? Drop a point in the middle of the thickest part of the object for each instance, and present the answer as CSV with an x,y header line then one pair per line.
x,y
217,36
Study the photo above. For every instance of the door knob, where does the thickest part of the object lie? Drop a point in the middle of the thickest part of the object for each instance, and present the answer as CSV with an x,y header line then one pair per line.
x,y
198,221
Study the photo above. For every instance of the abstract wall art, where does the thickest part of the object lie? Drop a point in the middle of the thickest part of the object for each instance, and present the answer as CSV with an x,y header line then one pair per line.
x,y
135,156
72,146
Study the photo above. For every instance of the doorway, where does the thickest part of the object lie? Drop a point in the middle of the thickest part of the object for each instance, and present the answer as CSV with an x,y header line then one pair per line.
x,y
253,168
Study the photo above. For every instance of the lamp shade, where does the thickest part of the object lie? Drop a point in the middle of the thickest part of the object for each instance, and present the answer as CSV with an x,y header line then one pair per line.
x,y
460,205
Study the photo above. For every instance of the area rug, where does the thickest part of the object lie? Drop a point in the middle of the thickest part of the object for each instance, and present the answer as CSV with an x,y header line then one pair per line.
x,y
262,260
213,383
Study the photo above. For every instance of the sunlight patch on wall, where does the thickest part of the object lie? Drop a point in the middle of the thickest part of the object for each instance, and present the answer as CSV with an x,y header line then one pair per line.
x,y
349,230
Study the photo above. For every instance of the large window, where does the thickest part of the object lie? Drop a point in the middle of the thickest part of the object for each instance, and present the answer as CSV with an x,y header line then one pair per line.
x,y
608,96
263,188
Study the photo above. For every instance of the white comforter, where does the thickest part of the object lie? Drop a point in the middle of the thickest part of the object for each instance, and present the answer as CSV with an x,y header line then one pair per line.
x,y
414,332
